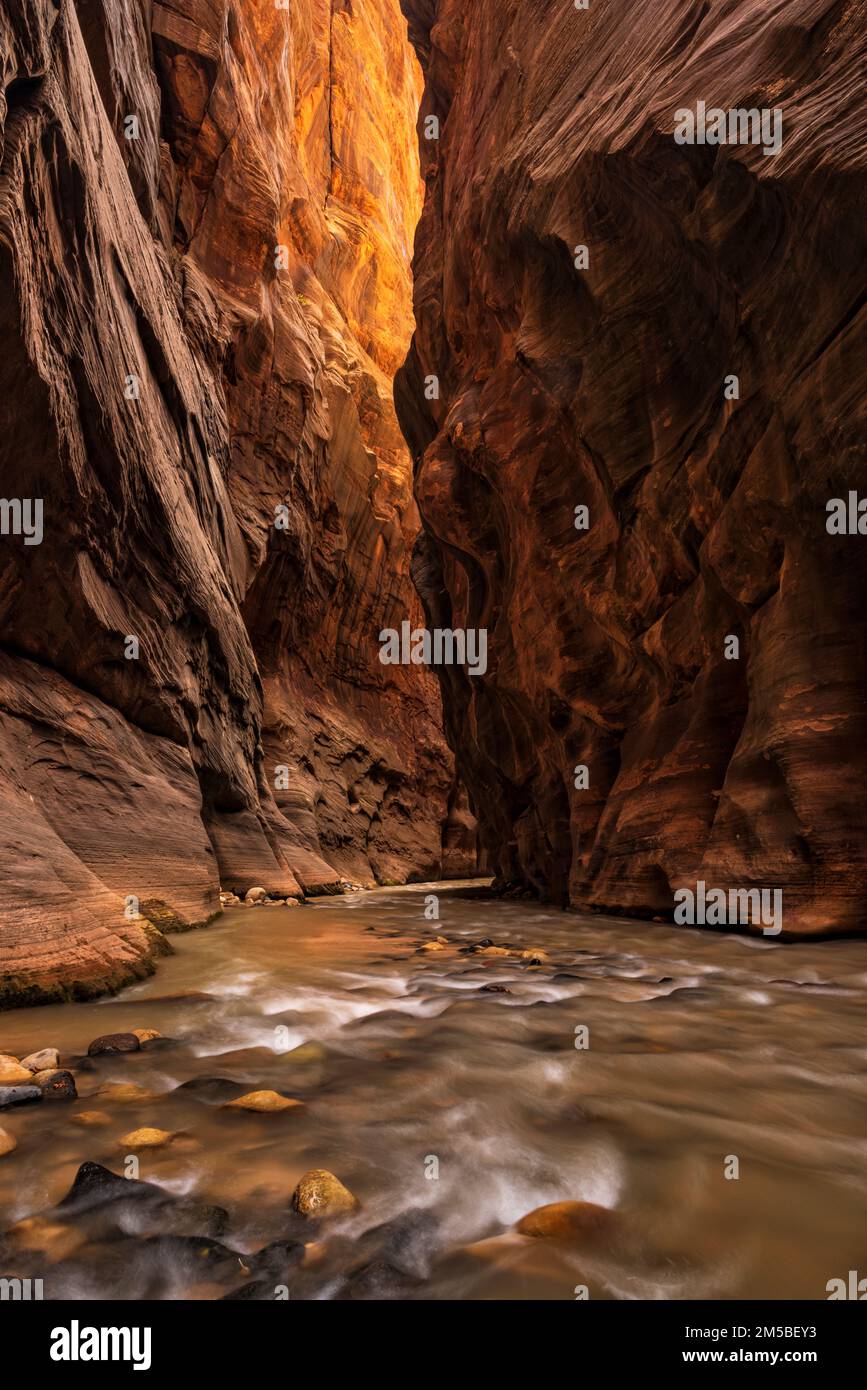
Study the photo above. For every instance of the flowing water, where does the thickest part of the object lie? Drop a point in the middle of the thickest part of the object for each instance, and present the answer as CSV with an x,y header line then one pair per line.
x,y
446,1091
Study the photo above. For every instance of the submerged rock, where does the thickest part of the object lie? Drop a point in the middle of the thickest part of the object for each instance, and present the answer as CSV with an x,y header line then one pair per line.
x,y
8,1142
94,1184
257,1291
146,1139
125,1092
191,1255
567,1221
407,1244
378,1280
130,1205
213,1090
307,1052
53,1240
276,1259
263,1102
111,1043
320,1194
91,1119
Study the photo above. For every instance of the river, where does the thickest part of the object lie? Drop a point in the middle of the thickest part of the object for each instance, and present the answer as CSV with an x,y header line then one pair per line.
x,y
710,1090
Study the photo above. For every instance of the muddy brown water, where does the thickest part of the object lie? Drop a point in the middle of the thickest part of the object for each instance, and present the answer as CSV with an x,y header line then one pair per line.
x,y
450,1109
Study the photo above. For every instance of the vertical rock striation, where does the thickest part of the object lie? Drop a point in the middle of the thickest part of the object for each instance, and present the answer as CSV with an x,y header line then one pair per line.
x,y
605,387
206,210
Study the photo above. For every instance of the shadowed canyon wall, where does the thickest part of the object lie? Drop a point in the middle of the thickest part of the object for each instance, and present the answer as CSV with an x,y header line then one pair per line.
x,y
566,383
206,217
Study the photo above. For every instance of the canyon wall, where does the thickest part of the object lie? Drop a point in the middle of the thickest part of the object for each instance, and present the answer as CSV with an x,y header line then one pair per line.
x,y
604,381
206,214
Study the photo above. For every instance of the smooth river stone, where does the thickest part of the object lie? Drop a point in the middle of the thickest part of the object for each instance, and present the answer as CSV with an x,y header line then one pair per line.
x,y
263,1102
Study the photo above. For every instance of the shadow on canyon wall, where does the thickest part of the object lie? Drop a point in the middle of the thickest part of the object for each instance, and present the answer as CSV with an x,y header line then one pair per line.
x,y
671,336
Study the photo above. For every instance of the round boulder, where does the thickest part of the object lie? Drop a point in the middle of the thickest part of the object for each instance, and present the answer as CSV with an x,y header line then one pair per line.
x,y
45,1060
56,1084
13,1072
320,1194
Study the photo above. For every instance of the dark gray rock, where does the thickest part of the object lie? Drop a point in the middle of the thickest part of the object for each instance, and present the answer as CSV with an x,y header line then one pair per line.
x,y
111,1043
59,1086
18,1095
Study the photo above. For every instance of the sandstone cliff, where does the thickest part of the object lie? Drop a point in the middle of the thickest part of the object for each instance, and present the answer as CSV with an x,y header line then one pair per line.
x,y
603,384
206,213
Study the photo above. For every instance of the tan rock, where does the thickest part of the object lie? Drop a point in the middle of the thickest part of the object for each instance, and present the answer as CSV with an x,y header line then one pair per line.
x,y
47,1059
124,1093
263,1102
12,1073
146,1139
8,1142
575,1221
307,1052
320,1194
91,1119
255,895
53,1239
430,947
146,1034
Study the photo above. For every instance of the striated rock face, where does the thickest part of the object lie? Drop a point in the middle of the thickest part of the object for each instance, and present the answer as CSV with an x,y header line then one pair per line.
x,y
206,210
564,386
